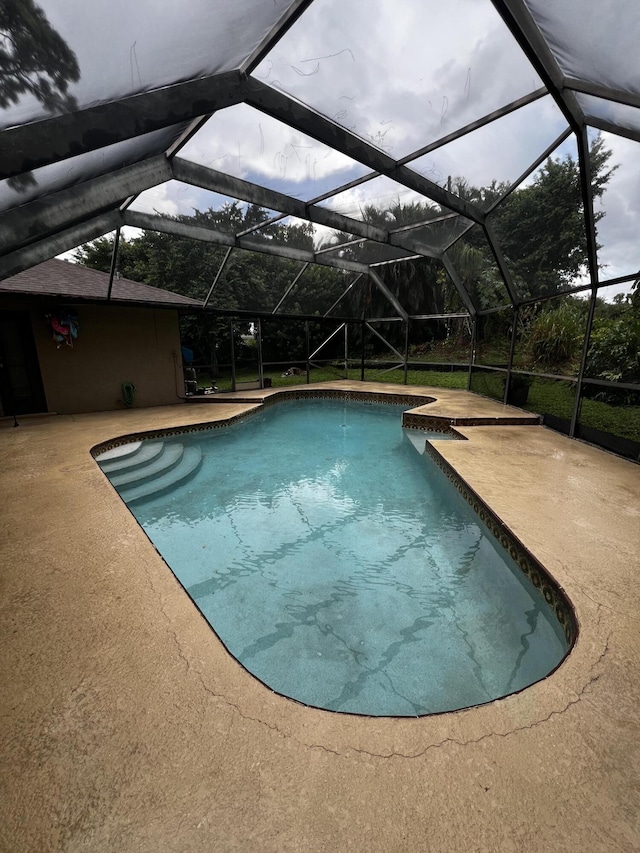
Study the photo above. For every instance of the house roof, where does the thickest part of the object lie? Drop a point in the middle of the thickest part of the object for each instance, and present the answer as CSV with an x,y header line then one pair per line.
x,y
56,278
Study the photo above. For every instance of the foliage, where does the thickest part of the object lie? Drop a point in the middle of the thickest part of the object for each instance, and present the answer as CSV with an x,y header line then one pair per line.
x,y
542,233
34,58
556,334
614,347
249,281
541,226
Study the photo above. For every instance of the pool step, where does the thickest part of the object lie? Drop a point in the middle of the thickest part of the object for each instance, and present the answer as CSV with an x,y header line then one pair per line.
x,y
123,452
145,452
162,479
417,437
157,465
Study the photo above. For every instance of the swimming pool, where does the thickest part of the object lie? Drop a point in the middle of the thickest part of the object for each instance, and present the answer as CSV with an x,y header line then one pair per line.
x,y
340,566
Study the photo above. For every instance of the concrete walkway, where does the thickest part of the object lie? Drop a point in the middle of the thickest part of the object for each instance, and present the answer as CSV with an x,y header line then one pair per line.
x,y
125,725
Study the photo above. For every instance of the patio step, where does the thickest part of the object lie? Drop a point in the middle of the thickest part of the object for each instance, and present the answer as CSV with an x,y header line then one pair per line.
x,y
145,452
187,465
155,466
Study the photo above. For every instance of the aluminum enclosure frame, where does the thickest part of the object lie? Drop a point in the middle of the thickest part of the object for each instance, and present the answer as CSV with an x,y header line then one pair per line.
x,y
56,222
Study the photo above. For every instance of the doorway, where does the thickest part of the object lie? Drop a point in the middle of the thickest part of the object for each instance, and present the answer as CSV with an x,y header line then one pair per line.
x,y
21,390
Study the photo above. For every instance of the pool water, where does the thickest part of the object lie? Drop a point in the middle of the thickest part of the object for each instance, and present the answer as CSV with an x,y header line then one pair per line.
x,y
343,570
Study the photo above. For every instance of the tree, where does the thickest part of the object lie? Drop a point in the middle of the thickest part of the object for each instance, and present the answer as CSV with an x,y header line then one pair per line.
x,y
541,227
250,280
34,58
614,348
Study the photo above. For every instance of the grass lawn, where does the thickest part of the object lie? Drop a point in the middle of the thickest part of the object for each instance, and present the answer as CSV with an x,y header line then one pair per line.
x,y
555,397
549,396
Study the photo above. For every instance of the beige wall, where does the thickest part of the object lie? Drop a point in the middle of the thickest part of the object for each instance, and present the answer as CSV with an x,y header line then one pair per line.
x,y
115,344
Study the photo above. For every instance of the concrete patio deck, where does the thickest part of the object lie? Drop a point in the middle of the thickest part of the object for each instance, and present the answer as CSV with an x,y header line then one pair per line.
x,y
126,726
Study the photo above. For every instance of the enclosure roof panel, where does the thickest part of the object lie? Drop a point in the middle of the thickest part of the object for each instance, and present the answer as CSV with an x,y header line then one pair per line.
x,y
91,164
246,143
365,120
596,42
457,61
110,49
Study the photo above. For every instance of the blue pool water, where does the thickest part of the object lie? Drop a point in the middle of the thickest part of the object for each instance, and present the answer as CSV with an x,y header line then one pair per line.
x,y
342,569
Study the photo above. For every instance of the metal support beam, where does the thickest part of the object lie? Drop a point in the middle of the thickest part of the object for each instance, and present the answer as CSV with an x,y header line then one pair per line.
x,y
233,355
422,222
629,99
326,341
342,295
283,108
495,247
518,19
346,350
339,246
151,222
30,146
464,295
260,367
439,316
583,362
586,189
290,288
472,350
187,135
396,261
210,179
49,247
49,214
512,348
538,162
218,274
592,254
611,127
475,125
350,185
385,341
406,349
114,262
286,21
382,287
497,308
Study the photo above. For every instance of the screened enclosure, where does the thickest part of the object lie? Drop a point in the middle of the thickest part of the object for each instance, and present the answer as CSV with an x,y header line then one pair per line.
x,y
408,192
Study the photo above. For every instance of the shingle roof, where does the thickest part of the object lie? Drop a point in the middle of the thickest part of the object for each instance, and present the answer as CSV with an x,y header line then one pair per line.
x,y
61,278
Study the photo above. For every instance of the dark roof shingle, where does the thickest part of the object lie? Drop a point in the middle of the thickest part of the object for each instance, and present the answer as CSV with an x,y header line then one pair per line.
x,y
62,278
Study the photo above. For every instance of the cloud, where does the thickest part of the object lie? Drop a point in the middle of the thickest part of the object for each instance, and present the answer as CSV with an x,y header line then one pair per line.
x,y
159,200
619,229
250,145
400,80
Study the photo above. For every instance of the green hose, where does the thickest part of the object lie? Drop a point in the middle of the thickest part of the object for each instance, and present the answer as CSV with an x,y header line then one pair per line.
x,y
128,394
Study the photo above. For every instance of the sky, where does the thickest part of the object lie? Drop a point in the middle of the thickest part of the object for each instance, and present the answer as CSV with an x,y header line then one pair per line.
x,y
399,75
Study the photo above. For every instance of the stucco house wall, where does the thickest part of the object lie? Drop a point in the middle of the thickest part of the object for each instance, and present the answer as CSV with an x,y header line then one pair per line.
x,y
128,332
115,344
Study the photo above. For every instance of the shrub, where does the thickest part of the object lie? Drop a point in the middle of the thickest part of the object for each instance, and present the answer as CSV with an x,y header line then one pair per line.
x,y
556,334
614,355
